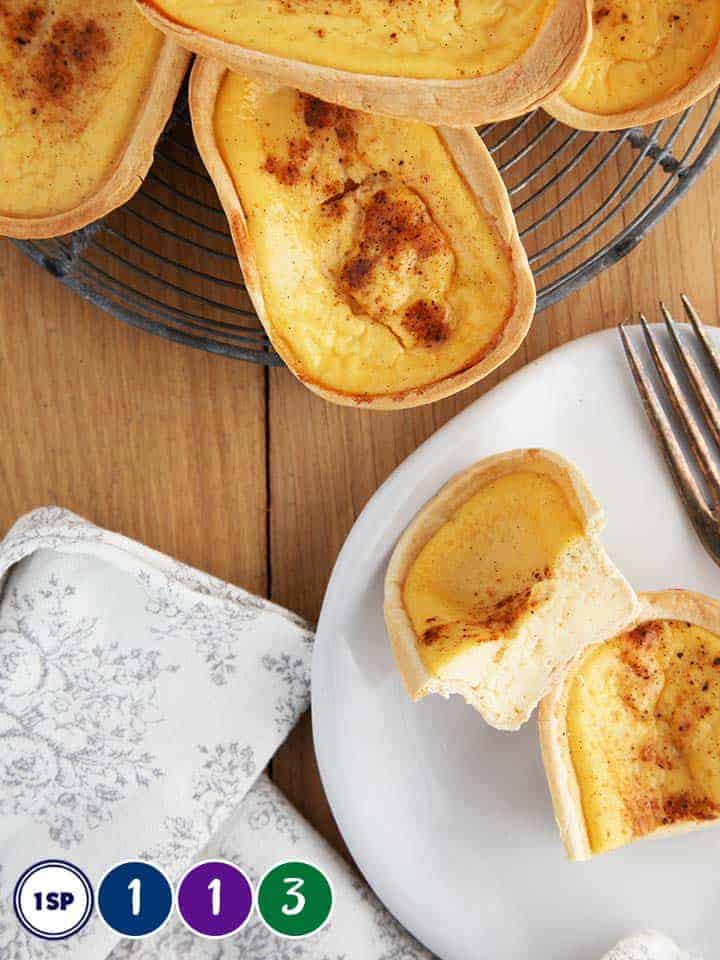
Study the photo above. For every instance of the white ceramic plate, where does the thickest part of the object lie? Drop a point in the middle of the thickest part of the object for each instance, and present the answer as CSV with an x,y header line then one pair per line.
x,y
449,820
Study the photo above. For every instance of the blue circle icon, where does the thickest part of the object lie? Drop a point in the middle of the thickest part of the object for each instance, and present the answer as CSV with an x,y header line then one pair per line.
x,y
135,898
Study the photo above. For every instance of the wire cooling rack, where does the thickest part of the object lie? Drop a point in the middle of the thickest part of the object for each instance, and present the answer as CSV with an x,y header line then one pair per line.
x,y
165,261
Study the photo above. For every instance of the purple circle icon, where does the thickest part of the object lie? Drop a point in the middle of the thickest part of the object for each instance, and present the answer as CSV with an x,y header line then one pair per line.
x,y
214,898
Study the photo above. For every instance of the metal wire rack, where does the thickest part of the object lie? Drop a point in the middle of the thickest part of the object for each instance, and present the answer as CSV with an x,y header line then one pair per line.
x,y
165,261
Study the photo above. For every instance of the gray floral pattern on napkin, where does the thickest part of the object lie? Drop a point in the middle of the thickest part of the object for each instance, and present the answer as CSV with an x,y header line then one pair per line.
x,y
294,673
213,630
266,829
73,714
139,700
648,946
225,773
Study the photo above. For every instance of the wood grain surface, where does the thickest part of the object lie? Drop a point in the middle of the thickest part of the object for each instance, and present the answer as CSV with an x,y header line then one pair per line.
x,y
242,471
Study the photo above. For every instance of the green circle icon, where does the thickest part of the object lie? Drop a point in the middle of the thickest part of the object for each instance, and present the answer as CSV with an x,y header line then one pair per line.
x,y
295,899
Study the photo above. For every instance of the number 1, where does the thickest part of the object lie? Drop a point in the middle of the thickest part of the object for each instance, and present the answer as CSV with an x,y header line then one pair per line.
x,y
214,888
134,888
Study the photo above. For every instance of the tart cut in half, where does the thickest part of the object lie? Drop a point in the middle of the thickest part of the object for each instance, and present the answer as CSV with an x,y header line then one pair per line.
x,y
499,582
86,87
631,736
646,61
381,255
435,60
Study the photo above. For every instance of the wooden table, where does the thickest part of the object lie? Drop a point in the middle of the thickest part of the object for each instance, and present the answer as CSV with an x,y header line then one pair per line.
x,y
242,471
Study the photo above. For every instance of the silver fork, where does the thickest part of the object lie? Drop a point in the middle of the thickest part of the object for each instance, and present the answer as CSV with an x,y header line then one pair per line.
x,y
703,508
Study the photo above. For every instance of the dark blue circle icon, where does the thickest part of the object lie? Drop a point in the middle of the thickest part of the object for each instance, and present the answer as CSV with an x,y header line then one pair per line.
x,y
135,898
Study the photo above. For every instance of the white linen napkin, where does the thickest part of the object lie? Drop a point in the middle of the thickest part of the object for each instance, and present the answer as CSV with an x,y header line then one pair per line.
x,y
648,946
265,830
139,702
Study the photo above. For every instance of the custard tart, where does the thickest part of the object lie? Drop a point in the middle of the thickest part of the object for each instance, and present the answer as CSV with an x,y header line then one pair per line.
x,y
631,736
499,582
85,91
381,255
439,61
646,61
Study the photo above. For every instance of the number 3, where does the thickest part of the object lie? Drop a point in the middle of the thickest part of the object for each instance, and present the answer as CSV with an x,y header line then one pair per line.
x,y
294,884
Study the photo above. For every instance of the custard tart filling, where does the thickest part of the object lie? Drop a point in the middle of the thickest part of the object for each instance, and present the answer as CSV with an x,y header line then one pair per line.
x,y
380,270
499,582
641,52
487,570
643,726
412,38
73,77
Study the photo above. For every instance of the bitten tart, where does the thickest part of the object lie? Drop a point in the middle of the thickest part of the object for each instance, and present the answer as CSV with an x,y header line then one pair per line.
x,y
646,61
631,736
382,256
438,61
499,582
86,87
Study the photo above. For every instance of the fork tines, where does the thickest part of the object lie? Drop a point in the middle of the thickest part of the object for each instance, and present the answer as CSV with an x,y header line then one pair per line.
x,y
702,507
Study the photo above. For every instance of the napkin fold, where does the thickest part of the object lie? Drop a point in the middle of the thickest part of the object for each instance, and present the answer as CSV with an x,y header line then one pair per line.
x,y
266,830
140,700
